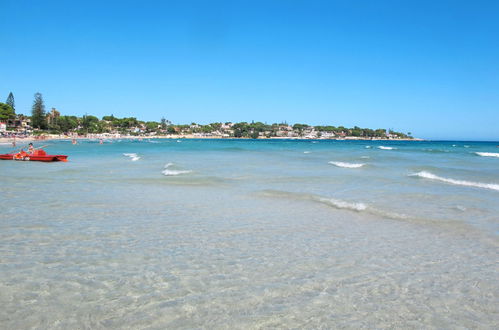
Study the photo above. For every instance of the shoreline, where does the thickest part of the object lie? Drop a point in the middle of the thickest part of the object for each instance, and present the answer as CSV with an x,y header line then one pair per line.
x,y
6,140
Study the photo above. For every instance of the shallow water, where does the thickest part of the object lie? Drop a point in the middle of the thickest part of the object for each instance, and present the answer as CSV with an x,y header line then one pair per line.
x,y
251,234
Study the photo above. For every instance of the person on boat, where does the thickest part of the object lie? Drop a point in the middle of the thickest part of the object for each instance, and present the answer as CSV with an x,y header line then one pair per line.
x,y
21,154
31,149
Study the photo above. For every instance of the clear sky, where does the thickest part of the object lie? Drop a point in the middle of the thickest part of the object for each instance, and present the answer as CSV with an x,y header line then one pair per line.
x,y
428,67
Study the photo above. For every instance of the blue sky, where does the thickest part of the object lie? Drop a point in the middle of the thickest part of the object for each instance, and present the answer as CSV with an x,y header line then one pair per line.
x,y
428,67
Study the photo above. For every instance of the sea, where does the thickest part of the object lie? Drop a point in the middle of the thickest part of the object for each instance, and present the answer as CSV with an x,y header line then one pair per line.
x,y
251,234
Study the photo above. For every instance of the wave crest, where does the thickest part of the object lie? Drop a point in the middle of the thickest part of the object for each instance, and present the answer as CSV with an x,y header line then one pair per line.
x,y
385,148
169,172
431,176
337,203
133,156
342,204
347,165
488,154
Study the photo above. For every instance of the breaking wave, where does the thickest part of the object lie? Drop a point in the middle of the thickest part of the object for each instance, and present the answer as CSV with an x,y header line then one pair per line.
x,y
347,165
431,176
385,148
133,156
488,154
341,204
337,203
169,172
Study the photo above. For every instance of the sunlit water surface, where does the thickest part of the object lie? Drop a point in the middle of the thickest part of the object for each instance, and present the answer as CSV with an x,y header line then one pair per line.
x,y
251,234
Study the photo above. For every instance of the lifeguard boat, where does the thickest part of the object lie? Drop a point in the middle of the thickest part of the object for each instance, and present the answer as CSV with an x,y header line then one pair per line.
x,y
38,155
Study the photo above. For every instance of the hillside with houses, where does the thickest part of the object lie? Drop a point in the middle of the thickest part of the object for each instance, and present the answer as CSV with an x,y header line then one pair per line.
x,y
53,123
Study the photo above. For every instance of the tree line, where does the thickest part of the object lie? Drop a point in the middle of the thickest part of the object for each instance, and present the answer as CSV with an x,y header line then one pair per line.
x,y
55,123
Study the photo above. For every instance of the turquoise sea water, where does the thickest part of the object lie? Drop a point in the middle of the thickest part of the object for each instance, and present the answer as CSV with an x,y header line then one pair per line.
x,y
251,234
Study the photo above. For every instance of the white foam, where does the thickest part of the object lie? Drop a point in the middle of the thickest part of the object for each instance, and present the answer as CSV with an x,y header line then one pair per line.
x,y
306,152
342,204
488,154
365,157
339,204
170,172
133,156
385,148
368,147
431,176
173,172
347,165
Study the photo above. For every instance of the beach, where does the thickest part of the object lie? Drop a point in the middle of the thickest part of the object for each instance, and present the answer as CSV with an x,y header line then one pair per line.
x,y
226,233
10,140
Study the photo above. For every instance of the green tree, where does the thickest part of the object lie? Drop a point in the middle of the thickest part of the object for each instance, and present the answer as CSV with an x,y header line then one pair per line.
x,y
380,132
241,129
151,126
216,126
299,127
90,123
207,129
10,101
38,118
356,131
67,123
128,122
6,112
108,118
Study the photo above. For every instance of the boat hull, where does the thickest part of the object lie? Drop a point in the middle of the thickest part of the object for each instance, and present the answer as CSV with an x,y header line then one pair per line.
x,y
35,158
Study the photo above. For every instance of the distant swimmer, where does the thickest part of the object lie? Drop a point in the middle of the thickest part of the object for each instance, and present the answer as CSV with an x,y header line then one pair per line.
x,y
73,141
101,141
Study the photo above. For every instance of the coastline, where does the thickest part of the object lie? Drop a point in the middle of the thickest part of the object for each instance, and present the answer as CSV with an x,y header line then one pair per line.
x,y
7,140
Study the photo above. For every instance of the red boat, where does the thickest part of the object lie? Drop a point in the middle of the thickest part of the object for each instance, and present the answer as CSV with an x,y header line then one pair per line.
x,y
38,155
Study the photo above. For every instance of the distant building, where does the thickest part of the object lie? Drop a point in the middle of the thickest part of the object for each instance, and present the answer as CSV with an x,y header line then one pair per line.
x,y
3,127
